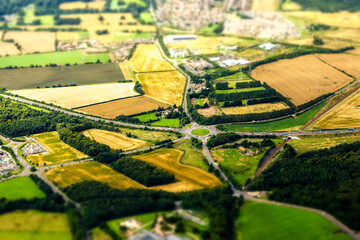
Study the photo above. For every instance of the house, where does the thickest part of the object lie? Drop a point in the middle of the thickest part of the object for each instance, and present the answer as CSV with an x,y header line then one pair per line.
x,y
268,46
175,38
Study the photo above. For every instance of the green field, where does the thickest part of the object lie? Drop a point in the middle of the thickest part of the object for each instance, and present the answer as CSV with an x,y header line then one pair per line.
x,y
114,4
146,17
268,222
236,77
62,58
287,124
3,142
147,117
18,188
192,156
167,123
200,132
311,143
47,20
49,76
34,225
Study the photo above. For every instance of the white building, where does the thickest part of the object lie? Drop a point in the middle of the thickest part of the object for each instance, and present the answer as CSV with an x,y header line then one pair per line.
x,y
233,62
228,48
177,53
175,38
268,46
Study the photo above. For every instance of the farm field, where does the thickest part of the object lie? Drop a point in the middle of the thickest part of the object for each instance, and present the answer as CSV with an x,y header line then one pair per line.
x,y
283,223
147,58
310,143
149,136
89,171
167,87
125,70
30,16
61,58
265,5
59,152
34,225
331,43
190,178
32,42
41,77
193,156
302,79
167,123
18,188
123,107
79,96
355,51
258,108
69,36
8,49
344,115
97,4
115,140
345,62
288,124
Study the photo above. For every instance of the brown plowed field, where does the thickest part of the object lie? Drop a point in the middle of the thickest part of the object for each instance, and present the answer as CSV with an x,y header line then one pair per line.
x,y
128,106
302,79
345,62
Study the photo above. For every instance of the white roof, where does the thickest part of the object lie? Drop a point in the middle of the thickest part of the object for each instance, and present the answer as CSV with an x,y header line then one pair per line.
x,y
232,62
268,46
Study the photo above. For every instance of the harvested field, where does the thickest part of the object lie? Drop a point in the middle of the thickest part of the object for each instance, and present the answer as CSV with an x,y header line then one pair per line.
x,y
149,136
190,178
345,62
32,42
265,5
67,36
166,87
89,171
8,49
210,111
354,51
73,97
125,70
302,79
59,152
123,107
97,4
344,115
334,44
147,58
258,108
115,140
12,79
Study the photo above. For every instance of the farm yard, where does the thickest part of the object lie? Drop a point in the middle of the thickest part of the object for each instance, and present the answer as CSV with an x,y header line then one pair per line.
x,y
302,79
190,178
79,96
32,224
89,171
283,223
116,140
20,188
344,115
123,107
32,42
23,78
258,108
97,4
8,49
147,58
60,58
59,152
345,62
167,87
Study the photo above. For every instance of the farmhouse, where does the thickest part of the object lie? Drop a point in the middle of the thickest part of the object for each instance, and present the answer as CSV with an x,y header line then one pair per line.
x,y
130,224
268,46
175,38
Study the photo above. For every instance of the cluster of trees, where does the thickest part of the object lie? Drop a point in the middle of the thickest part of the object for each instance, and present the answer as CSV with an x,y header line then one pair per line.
x,y
318,27
102,32
138,88
67,21
222,97
326,179
222,85
318,41
252,84
236,103
142,172
266,142
196,143
223,138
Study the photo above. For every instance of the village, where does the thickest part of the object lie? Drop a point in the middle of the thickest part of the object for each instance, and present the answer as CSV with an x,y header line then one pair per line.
x,y
7,164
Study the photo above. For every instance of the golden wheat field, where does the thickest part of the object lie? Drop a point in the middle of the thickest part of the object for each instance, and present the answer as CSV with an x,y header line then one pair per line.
x,y
302,79
32,42
354,51
265,5
127,107
258,108
345,115
328,43
67,36
166,87
147,58
190,178
115,141
90,171
345,62
8,49
97,4
74,97
125,70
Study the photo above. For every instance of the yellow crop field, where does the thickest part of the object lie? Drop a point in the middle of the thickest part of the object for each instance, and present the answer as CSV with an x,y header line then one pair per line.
x,y
166,87
302,79
258,108
354,51
190,178
8,49
147,58
344,115
265,5
345,62
123,107
73,97
89,171
340,19
97,4
58,151
115,140
67,36
349,34
328,43
125,70
32,42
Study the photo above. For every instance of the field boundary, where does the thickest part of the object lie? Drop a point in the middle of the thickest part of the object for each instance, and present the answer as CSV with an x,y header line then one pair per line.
x,y
112,100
